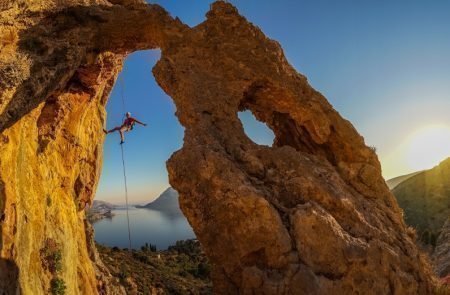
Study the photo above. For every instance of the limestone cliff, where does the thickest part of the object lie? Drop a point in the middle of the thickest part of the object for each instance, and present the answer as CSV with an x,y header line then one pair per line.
x,y
56,75
310,215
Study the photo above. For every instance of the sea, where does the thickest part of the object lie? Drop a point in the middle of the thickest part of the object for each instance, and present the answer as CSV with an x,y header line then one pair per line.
x,y
146,226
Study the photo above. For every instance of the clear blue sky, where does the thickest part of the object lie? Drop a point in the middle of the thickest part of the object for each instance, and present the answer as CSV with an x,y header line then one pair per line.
x,y
384,65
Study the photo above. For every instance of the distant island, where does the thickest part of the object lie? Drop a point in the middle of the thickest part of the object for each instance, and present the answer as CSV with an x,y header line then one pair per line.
x,y
100,210
166,202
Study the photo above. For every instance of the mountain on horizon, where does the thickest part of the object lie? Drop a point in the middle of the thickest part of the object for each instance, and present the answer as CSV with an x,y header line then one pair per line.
x,y
425,200
393,182
167,202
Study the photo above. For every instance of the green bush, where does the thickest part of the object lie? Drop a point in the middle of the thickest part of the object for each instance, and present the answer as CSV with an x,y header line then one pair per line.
x,y
51,256
57,259
58,286
188,247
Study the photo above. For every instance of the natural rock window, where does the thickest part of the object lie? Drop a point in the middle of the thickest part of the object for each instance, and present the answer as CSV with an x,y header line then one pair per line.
x,y
146,148
256,130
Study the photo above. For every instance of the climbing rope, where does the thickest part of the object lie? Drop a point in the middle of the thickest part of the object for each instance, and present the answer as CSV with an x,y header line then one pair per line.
x,y
123,161
126,196
122,91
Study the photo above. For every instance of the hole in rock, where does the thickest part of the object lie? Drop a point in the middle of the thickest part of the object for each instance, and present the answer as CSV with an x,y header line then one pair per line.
x,y
256,130
146,151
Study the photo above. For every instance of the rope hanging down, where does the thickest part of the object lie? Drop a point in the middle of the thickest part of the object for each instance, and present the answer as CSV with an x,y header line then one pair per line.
x,y
126,196
123,164
122,92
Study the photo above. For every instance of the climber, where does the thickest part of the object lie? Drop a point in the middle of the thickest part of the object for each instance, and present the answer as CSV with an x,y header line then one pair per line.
x,y
126,126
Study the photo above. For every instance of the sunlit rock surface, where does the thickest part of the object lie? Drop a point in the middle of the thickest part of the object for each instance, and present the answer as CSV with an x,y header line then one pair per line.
x,y
58,63
310,215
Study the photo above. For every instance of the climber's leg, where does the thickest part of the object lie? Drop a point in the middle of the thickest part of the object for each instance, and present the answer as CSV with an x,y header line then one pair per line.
x,y
122,130
122,139
113,130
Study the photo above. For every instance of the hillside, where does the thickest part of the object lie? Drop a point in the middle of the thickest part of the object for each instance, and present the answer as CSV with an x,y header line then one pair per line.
x,y
425,199
393,182
182,269
167,202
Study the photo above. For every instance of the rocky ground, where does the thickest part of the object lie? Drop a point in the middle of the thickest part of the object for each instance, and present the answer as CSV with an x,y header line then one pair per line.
x,y
182,269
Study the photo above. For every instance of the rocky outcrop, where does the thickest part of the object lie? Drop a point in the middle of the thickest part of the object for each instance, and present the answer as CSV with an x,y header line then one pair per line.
x,y
310,215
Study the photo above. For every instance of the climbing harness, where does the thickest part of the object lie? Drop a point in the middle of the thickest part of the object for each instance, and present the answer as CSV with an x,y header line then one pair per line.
x,y
123,164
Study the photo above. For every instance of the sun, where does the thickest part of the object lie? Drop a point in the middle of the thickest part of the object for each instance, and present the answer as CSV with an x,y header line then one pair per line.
x,y
427,147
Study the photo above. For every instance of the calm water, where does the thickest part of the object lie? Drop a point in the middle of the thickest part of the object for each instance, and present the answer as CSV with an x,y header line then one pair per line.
x,y
147,226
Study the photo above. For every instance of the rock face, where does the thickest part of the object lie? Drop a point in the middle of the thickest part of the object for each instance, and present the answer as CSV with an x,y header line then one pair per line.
x,y
57,66
310,215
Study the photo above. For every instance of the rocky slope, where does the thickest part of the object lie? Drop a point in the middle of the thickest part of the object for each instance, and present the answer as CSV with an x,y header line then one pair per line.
x,y
425,199
182,269
310,215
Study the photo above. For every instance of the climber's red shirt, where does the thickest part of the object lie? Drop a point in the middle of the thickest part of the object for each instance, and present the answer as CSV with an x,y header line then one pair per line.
x,y
129,122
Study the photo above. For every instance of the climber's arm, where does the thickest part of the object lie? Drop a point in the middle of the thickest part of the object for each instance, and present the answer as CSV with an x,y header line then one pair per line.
x,y
139,122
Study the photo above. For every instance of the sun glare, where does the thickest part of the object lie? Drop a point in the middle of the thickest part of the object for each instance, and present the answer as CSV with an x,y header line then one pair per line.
x,y
427,147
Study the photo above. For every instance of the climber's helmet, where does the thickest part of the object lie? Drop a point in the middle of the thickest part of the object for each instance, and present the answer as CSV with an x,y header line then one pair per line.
x,y
128,114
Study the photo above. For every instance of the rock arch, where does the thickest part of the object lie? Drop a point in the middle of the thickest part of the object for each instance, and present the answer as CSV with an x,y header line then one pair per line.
x,y
310,215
